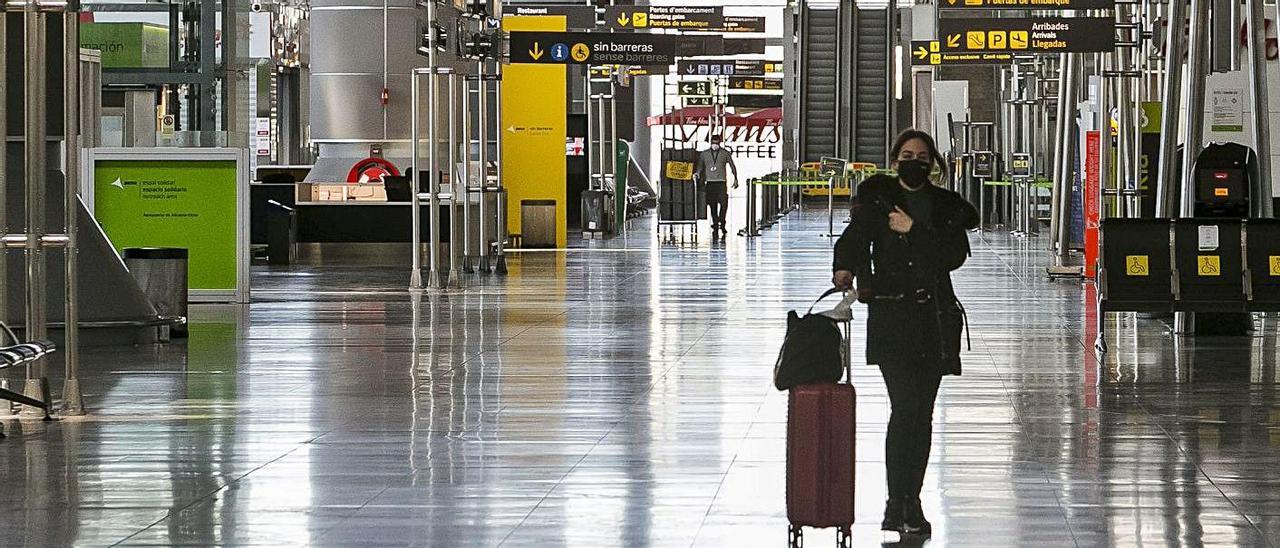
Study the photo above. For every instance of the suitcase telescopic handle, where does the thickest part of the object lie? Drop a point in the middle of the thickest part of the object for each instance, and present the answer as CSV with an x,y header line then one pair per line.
x,y
826,294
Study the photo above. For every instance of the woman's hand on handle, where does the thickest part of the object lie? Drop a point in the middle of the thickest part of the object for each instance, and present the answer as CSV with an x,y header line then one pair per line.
x,y
842,279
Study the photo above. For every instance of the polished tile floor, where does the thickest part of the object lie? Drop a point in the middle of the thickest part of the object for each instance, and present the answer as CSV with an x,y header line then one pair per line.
x,y
622,397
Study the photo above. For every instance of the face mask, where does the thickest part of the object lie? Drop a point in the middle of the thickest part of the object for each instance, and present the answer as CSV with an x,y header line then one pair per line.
x,y
915,173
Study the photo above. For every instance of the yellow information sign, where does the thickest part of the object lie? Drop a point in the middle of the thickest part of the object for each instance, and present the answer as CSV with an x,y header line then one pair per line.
x,y
1274,260
1209,265
679,171
1137,265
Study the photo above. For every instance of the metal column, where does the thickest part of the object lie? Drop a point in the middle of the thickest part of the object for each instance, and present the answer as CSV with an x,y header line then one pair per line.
x,y
500,235
1197,65
35,143
482,110
1168,181
72,398
466,175
1262,195
455,274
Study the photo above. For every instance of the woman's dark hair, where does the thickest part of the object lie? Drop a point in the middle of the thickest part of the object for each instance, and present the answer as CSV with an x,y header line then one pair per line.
x,y
908,135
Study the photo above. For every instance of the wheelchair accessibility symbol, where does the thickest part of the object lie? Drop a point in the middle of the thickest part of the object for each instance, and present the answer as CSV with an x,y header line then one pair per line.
x,y
1209,265
1137,265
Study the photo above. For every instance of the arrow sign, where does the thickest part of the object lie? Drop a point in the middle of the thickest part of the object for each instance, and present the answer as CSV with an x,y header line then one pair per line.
x,y
623,19
118,183
953,41
922,53
595,48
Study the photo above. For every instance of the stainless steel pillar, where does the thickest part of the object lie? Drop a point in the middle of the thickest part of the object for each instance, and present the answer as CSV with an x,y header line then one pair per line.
x,y
415,139
37,382
1058,192
72,398
4,174
482,110
500,234
1106,85
1262,202
434,279
455,274
466,175
1197,67
1168,179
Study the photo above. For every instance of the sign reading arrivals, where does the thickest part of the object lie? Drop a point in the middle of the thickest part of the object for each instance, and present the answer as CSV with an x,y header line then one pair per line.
x,y
1027,4
596,48
664,17
1028,35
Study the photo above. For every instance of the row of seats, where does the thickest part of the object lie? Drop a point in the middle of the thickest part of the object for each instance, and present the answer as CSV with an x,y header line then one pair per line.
x,y
21,354
1190,265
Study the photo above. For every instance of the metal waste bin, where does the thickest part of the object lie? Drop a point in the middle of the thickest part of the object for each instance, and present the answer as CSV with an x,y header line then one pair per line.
x,y
538,223
161,272
282,234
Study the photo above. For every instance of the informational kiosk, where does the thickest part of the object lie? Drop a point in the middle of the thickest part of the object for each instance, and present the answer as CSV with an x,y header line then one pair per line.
x,y
192,198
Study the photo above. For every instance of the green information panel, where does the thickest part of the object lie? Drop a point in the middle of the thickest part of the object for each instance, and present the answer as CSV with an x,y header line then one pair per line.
x,y
127,45
190,204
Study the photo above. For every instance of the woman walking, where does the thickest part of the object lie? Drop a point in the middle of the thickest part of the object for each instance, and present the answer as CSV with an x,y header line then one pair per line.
x,y
904,238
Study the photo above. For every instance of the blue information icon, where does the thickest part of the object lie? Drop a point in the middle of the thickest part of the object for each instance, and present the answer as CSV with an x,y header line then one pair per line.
x,y
559,52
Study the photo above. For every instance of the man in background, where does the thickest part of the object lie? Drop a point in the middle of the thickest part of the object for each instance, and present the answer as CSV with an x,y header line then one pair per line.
x,y
713,168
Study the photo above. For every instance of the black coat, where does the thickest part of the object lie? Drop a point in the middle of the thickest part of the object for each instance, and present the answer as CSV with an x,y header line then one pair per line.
x,y
913,318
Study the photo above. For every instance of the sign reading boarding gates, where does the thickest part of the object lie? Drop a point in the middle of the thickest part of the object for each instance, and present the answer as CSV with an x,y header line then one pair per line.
x,y
1028,35
728,67
596,48
665,17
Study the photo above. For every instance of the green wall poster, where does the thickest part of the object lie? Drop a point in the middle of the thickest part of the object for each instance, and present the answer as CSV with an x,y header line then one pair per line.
x,y
190,204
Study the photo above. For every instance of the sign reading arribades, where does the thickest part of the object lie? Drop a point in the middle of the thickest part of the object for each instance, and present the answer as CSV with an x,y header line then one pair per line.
x,y
592,48
1028,35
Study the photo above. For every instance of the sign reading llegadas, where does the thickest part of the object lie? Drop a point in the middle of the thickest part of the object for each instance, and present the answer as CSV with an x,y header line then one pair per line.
x,y
1028,35
596,48
188,204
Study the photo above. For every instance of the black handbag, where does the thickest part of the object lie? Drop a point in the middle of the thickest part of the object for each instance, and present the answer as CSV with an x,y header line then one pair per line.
x,y
813,351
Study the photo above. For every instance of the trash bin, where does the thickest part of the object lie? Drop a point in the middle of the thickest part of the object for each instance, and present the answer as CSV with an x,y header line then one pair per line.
x,y
282,233
538,223
161,272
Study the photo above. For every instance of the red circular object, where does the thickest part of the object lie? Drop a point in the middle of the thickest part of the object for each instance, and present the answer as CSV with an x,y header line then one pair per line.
x,y
371,170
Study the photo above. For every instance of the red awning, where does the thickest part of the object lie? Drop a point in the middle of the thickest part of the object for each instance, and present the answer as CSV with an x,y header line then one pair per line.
x,y
702,116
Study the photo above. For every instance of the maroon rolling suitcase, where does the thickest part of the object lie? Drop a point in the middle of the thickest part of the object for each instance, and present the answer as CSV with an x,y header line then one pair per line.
x,y
820,455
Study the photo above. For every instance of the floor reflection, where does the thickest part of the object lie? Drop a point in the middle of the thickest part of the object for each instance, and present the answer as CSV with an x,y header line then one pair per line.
x,y
621,397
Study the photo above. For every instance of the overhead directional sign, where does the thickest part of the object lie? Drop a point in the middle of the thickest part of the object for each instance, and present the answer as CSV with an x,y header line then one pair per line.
x,y
697,101
738,23
755,101
664,17
1028,35
740,46
596,48
577,16
728,67
1027,4
759,84
930,52
695,88
606,71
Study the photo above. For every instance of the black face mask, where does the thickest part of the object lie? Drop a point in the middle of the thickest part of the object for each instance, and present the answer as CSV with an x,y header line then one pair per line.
x,y
915,173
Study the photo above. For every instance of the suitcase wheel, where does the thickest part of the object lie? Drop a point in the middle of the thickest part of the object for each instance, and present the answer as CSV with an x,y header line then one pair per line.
x,y
844,538
795,536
